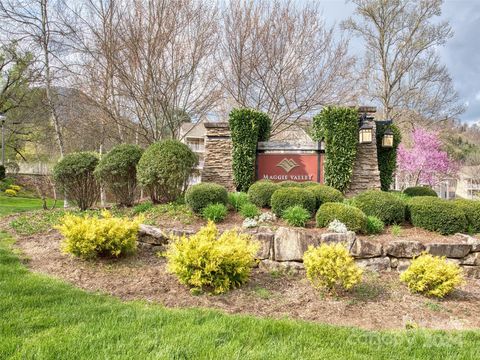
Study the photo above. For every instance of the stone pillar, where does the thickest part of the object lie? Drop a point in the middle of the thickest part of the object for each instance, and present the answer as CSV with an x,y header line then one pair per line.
x,y
365,170
217,167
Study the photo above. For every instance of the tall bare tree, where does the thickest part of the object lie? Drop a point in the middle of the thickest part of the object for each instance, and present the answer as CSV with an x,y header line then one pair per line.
x,y
281,58
152,60
404,72
94,39
36,26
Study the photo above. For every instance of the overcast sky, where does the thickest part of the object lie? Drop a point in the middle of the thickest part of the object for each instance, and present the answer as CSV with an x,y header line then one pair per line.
x,y
461,54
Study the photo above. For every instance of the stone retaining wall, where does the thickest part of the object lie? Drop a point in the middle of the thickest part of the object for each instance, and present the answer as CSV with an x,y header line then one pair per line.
x,y
284,248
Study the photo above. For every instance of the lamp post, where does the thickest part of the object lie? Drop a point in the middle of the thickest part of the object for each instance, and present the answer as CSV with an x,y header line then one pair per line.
x,y
2,119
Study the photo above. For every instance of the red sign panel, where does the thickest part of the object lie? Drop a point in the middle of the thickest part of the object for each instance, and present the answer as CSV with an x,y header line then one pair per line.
x,y
290,167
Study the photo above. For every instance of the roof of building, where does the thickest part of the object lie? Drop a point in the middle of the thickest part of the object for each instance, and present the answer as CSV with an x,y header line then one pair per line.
x,y
195,130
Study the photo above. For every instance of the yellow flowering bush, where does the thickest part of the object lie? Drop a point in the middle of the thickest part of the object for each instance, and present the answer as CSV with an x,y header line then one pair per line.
x,y
432,276
15,187
331,266
207,260
92,236
10,192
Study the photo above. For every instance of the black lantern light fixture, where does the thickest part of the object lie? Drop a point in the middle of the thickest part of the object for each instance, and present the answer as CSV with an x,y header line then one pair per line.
x,y
387,139
365,133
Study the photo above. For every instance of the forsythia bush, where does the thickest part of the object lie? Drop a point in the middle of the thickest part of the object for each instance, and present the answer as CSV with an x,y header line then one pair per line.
x,y
330,266
432,275
91,236
209,261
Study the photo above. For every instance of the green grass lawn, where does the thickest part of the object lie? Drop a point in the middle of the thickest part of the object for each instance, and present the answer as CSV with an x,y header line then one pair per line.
x,y
10,205
43,318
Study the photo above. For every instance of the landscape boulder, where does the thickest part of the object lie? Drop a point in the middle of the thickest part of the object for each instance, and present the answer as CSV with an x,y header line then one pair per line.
x,y
291,243
151,235
362,248
346,238
265,239
404,248
456,251
374,264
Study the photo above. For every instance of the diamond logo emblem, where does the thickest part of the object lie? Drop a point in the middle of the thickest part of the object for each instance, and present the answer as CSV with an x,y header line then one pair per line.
x,y
287,164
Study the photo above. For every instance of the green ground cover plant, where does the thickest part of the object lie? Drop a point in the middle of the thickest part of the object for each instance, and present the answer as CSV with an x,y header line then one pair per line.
x,y
215,212
296,216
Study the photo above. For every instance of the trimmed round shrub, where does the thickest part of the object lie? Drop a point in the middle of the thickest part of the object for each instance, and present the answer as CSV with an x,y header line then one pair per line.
x,y
471,208
290,184
385,206
201,195
353,218
330,266
432,276
436,214
249,210
215,212
117,170
164,169
210,261
260,193
325,193
74,175
374,225
420,191
237,199
286,197
296,216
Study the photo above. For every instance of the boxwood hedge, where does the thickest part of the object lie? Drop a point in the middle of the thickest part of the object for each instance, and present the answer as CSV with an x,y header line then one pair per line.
x,y
325,193
201,195
420,191
471,208
354,218
261,192
434,214
286,197
385,206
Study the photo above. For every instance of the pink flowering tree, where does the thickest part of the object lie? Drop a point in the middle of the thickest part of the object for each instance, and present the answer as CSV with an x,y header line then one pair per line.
x,y
425,163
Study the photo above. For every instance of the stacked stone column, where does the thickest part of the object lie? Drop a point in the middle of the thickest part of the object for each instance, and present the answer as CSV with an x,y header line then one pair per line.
x,y
365,171
217,167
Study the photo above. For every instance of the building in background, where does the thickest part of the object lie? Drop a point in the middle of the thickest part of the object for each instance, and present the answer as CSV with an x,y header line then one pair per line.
x,y
468,184
193,135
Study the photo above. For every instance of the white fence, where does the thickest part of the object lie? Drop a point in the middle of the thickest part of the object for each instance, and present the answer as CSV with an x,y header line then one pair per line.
x,y
33,168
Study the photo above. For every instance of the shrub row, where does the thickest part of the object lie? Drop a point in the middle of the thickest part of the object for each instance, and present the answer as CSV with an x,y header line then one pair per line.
x,y
261,192
163,169
383,205
434,214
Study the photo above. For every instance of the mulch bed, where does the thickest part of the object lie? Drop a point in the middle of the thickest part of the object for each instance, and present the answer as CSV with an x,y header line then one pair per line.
x,y
381,302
